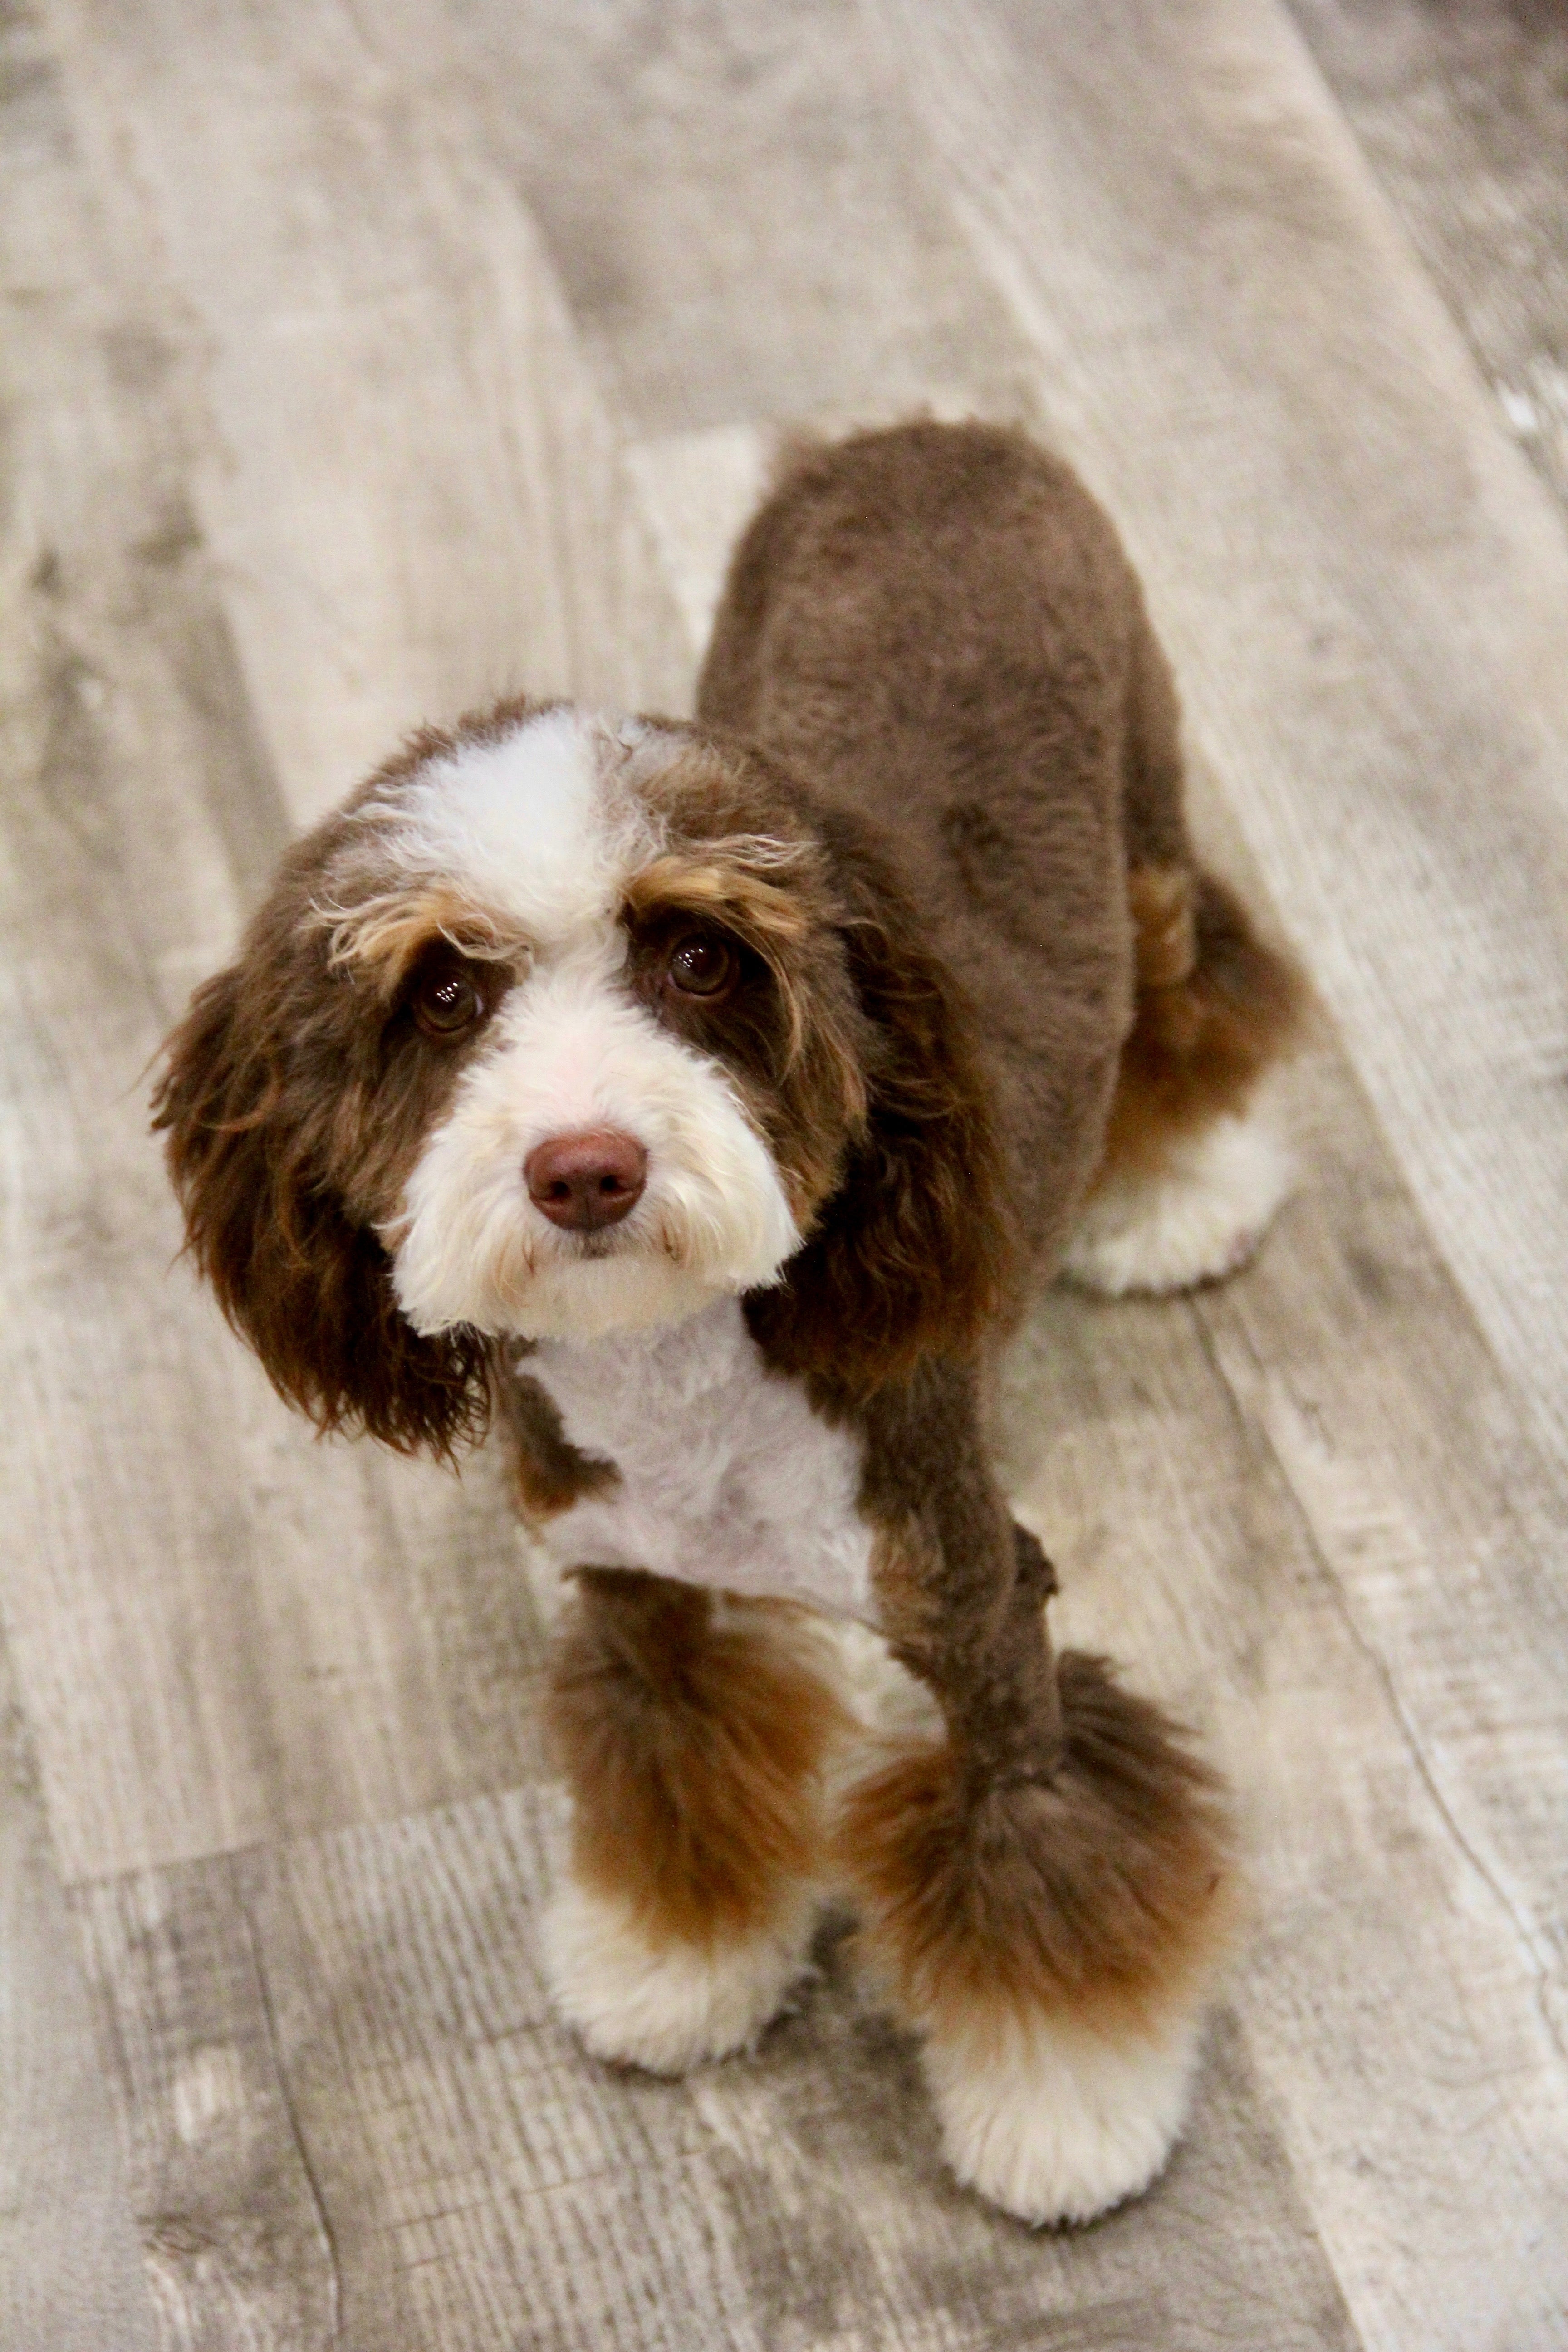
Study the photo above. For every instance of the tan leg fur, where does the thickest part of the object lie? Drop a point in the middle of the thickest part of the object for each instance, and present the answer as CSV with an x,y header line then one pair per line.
x,y
693,1732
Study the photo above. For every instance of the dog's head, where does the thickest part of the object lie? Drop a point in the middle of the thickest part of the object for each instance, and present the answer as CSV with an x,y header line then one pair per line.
x,y
564,1025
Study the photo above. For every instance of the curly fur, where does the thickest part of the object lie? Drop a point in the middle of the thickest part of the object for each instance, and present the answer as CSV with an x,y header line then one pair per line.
x,y
696,1742
1097,1890
263,1107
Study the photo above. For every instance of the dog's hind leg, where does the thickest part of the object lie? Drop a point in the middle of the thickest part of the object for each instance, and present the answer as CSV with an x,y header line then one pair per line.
x,y
693,1731
1193,1171
1048,1888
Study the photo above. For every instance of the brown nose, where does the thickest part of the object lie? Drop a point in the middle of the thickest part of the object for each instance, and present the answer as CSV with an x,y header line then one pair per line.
x,y
588,1179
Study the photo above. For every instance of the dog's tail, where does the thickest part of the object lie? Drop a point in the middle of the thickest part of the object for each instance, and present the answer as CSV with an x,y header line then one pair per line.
x,y
1216,1006
1215,1003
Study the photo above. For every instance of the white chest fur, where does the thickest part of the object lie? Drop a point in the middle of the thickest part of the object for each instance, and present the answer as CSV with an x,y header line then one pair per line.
x,y
728,1477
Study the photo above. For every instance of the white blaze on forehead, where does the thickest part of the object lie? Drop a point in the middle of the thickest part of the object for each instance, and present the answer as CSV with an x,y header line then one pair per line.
x,y
537,824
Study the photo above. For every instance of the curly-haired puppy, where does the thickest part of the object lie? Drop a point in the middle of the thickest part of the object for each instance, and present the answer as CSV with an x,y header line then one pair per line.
x,y
702,1102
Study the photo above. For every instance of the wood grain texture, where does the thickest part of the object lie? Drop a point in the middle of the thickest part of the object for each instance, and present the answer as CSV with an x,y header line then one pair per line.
x,y
370,2001
411,481
1461,107
70,2274
237,2246
698,491
740,210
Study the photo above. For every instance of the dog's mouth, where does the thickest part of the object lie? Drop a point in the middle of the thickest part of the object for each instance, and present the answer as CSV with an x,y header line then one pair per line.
x,y
637,1236
590,1247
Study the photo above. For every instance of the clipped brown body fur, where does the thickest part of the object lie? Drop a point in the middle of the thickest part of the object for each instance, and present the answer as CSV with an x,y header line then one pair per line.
x,y
938,627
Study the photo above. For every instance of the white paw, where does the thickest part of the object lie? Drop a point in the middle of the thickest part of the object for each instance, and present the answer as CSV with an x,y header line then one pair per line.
x,y
1202,1213
666,2005
1053,2122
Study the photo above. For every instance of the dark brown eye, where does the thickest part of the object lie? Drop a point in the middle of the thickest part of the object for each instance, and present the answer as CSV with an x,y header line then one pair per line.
x,y
446,1004
700,966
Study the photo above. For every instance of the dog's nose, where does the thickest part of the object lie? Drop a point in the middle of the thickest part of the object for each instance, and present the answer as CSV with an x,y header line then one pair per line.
x,y
588,1179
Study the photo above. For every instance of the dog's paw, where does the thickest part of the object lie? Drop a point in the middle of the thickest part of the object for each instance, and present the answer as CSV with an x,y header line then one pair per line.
x,y
1201,1214
1055,2123
666,2004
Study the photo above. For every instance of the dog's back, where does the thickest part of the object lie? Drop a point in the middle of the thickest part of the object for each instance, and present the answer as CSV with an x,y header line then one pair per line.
x,y
937,626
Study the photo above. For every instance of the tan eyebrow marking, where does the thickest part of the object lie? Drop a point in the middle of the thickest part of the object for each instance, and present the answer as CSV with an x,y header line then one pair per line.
x,y
715,881
730,875
383,933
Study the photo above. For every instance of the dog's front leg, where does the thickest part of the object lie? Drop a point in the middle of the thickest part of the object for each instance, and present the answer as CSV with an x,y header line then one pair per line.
x,y
1049,1886
692,1730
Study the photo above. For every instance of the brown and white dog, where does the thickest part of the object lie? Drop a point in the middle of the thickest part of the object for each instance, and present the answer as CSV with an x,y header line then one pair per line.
x,y
701,1104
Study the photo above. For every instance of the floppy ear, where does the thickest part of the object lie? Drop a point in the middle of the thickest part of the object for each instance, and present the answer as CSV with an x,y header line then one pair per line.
x,y
306,1284
915,1253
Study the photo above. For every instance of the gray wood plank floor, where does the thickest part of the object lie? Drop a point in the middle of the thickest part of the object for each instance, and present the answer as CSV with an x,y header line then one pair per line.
x,y
359,363
1462,108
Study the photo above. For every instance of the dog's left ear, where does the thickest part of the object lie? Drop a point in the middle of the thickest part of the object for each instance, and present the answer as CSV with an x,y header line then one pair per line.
x,y
245,1101
915,1253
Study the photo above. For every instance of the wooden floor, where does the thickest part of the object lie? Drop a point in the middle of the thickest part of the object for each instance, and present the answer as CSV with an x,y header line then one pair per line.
x,y
360,361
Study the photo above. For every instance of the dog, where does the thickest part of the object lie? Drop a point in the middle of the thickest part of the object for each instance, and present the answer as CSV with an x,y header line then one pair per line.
x,y
700,1104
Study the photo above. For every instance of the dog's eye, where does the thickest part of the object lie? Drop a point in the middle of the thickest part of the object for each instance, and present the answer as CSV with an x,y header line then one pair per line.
x,y
701,966
446,1004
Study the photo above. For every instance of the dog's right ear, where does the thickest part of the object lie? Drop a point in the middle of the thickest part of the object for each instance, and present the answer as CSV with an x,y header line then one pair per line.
x,y
247,1102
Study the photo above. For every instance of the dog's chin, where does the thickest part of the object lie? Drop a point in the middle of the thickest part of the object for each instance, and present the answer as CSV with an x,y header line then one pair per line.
x,y
593,1296
598,1285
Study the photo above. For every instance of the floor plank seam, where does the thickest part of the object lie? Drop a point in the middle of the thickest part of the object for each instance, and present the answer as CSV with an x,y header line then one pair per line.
x,y
1257,1437
285,2092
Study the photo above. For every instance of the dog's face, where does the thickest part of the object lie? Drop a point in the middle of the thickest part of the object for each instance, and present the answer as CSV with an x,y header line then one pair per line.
x,y
564,1025
610,955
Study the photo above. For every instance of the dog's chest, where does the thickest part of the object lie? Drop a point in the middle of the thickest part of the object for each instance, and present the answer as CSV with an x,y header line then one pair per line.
x,y
727,1475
